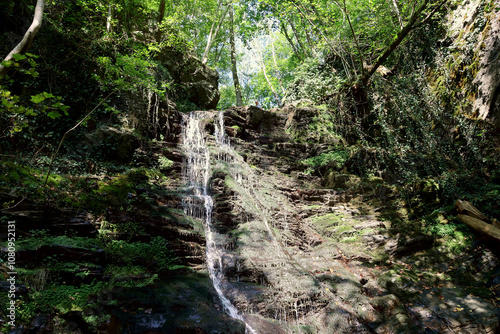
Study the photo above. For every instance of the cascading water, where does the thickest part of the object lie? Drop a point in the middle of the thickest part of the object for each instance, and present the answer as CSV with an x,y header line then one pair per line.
x,y
198,202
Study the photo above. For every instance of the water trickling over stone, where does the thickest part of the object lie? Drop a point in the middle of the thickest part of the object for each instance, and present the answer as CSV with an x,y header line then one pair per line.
x,y
198,202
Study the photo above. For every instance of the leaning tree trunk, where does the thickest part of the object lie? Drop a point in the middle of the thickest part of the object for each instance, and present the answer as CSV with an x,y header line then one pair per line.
x,y
25,43
214,31
412,24
234,69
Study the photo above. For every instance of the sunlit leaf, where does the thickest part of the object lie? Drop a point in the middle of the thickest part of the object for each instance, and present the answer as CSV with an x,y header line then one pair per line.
x,y
18,57
37,98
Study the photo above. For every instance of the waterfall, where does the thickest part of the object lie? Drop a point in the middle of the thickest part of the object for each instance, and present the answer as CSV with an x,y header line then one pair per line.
x,y
198,202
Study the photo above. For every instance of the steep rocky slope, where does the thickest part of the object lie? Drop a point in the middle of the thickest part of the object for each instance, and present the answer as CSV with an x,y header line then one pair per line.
x,y
299,253
300,257
314,259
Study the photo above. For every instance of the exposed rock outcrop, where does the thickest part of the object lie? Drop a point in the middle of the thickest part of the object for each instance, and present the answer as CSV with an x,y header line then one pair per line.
x,y
198,80
302,256
476,22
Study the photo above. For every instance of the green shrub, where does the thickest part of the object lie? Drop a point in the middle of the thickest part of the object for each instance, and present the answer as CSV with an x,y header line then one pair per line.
x,y
164,163
334,159
313,80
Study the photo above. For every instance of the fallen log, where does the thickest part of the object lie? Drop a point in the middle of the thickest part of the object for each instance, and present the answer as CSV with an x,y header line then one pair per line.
x,y
475,219
466,208
481,226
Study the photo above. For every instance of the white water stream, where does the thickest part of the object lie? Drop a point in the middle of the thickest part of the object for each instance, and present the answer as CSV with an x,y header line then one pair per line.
x,y
198,202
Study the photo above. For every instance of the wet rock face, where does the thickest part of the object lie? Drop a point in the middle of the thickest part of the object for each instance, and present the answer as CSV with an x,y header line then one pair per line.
x,y
151,116
184,304
488,78
297,257
304,258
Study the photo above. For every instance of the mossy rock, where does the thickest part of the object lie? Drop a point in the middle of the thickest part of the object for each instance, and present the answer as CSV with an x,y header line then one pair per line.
x,y
336,180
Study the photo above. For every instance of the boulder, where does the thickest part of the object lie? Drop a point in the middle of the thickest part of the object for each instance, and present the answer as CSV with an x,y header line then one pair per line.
x,y
150,115
200,82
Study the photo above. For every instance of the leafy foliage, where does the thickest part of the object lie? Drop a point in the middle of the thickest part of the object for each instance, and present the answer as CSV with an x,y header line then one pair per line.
x,y
333,159
17,111
313,81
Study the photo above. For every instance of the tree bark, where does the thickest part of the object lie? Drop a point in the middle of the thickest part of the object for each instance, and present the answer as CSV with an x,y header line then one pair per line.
x,y
474,218
481,226
214,31
234,69
109,19
264,70
297,37
278,75
283,28
412,24
25,43
161,11
395,43
466,208
398,13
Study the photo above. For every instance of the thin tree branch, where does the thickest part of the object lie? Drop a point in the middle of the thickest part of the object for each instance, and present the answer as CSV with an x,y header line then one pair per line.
x,y
66,133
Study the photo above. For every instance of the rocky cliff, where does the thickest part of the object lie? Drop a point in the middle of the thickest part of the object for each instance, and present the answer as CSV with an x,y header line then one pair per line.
x,y
472,60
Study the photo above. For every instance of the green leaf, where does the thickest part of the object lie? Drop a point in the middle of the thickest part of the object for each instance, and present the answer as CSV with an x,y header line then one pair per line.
x,y
30,112
18,57
54,114
65,110
37,98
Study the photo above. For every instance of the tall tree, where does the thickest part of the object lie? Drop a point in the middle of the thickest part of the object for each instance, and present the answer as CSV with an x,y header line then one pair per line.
x,y
25,44
262,60
234,70
161,16
220,15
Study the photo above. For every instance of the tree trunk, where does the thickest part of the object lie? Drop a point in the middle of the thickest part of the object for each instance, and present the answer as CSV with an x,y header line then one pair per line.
x,y
161,11
109,19
466,208
297,37
264,70
283,28
474,218
481,226
398,13
25,43
412,24
361,57
214,31
278,75
395,43
237,87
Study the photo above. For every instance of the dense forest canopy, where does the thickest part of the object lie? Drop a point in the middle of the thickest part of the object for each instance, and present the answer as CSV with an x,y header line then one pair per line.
x,y
264,40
